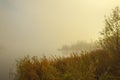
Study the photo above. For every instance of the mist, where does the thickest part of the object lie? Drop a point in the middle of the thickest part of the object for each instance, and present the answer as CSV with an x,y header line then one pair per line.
x,y
78,47
40,27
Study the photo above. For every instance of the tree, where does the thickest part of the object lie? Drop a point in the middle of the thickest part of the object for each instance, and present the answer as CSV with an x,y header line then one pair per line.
x,y
111,33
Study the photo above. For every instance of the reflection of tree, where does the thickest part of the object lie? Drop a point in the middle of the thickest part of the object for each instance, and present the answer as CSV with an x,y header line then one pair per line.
x,y
78,47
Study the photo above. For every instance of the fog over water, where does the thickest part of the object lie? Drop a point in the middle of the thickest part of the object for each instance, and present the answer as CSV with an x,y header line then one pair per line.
x,y
40,27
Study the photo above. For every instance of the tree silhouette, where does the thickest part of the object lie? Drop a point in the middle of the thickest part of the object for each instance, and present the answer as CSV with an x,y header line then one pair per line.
x,y
111,33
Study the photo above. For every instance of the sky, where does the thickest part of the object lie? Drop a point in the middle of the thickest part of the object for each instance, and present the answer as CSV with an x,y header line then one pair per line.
x,y
35,27
49,24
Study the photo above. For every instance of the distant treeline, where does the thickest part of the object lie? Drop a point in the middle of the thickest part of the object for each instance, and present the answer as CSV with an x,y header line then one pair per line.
x,y
78,47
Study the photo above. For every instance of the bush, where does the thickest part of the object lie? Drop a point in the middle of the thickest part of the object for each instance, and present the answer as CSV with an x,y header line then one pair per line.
x,y
75,67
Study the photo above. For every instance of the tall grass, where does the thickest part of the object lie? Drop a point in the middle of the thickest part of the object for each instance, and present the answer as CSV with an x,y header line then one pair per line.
x,y
75,67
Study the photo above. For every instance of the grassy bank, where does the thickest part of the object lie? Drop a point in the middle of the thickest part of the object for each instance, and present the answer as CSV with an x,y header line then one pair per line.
x,y
88,66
